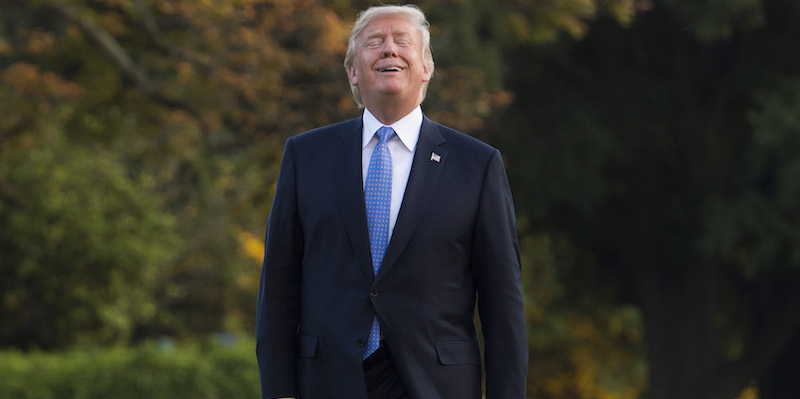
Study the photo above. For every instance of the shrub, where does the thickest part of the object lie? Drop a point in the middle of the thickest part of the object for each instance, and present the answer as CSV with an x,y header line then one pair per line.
x,y
153,371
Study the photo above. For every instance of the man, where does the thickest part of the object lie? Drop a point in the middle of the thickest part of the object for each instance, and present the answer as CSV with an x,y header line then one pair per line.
x,y
383,233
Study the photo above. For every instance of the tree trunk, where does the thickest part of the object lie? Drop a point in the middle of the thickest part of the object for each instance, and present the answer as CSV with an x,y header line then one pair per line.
x,y
679,306
782,381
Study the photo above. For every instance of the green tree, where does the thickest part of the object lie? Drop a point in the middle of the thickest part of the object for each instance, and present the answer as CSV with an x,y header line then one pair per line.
x,y
190,102
83,246
665,156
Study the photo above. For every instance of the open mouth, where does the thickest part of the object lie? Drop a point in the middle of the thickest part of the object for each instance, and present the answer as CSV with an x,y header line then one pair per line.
x,y
390,69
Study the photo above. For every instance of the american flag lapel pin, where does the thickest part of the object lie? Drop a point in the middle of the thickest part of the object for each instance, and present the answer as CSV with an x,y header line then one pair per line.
x,y
435,157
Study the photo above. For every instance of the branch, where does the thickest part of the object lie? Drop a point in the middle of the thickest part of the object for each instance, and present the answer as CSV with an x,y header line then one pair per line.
x,y
10,194
119,57
151,27
15,130
108,44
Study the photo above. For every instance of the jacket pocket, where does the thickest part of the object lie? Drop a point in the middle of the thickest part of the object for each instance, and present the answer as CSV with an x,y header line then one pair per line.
x,y
306,346
451,353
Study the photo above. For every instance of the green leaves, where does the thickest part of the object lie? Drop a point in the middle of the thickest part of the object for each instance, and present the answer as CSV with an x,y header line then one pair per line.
x,y
83,247
716,20
757,229
156,370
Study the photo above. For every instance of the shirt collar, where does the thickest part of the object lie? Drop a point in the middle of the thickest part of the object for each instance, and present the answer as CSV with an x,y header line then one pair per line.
x,y
407,128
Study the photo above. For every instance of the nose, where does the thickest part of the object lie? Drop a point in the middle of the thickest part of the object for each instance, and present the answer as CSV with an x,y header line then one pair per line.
x,y
389,48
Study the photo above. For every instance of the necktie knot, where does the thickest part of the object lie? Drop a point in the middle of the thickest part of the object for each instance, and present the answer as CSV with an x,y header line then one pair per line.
x,y
385,134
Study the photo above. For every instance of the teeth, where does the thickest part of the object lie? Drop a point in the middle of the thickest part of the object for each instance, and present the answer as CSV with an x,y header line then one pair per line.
x,y
391,69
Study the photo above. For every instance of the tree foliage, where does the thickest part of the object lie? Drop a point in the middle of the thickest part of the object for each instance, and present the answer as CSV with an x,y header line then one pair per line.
x,y
168,118
84,246
664,154
652,149
181,109
193,99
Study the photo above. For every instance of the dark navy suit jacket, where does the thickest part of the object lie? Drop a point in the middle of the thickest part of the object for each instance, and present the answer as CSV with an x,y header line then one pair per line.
x,y
454,242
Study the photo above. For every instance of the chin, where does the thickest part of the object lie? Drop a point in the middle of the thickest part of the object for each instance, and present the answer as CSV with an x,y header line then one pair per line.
x,y
392,89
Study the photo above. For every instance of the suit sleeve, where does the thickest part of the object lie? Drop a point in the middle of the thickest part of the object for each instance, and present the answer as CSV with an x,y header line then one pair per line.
x,y
277,316
496,260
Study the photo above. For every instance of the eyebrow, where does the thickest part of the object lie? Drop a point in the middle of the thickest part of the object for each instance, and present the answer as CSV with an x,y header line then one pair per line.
x,y
380,33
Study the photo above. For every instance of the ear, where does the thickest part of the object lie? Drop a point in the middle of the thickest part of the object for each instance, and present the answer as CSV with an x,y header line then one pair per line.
x,y
351,74
426,74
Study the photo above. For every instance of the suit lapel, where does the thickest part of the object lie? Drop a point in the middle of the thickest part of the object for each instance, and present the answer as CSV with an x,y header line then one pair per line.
x,y
424,176
346,164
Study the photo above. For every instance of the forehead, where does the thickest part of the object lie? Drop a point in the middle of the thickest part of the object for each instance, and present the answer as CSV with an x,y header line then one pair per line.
x,y
383,25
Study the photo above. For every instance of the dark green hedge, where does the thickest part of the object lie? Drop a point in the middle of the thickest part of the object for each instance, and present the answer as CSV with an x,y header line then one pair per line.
x,y
151,371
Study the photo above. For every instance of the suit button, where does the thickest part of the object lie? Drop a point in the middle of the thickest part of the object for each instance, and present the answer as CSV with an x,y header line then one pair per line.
x,y
373,292
360,342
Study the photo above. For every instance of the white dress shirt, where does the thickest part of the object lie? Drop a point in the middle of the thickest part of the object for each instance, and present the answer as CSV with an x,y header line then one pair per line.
x,y
402,149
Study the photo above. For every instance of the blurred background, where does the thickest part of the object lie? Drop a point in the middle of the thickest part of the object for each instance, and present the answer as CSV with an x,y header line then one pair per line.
x,y
653,148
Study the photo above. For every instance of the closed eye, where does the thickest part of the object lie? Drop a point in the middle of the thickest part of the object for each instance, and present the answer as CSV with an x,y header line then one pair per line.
x,y
402,38
373,42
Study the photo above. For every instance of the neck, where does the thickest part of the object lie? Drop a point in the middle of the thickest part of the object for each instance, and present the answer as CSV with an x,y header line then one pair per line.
x,y
389,112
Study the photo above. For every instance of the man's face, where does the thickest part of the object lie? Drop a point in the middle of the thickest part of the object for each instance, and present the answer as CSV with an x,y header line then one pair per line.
x,y
389,63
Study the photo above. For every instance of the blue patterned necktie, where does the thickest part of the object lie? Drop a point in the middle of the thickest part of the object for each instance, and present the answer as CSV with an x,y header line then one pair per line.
x,y
378,196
